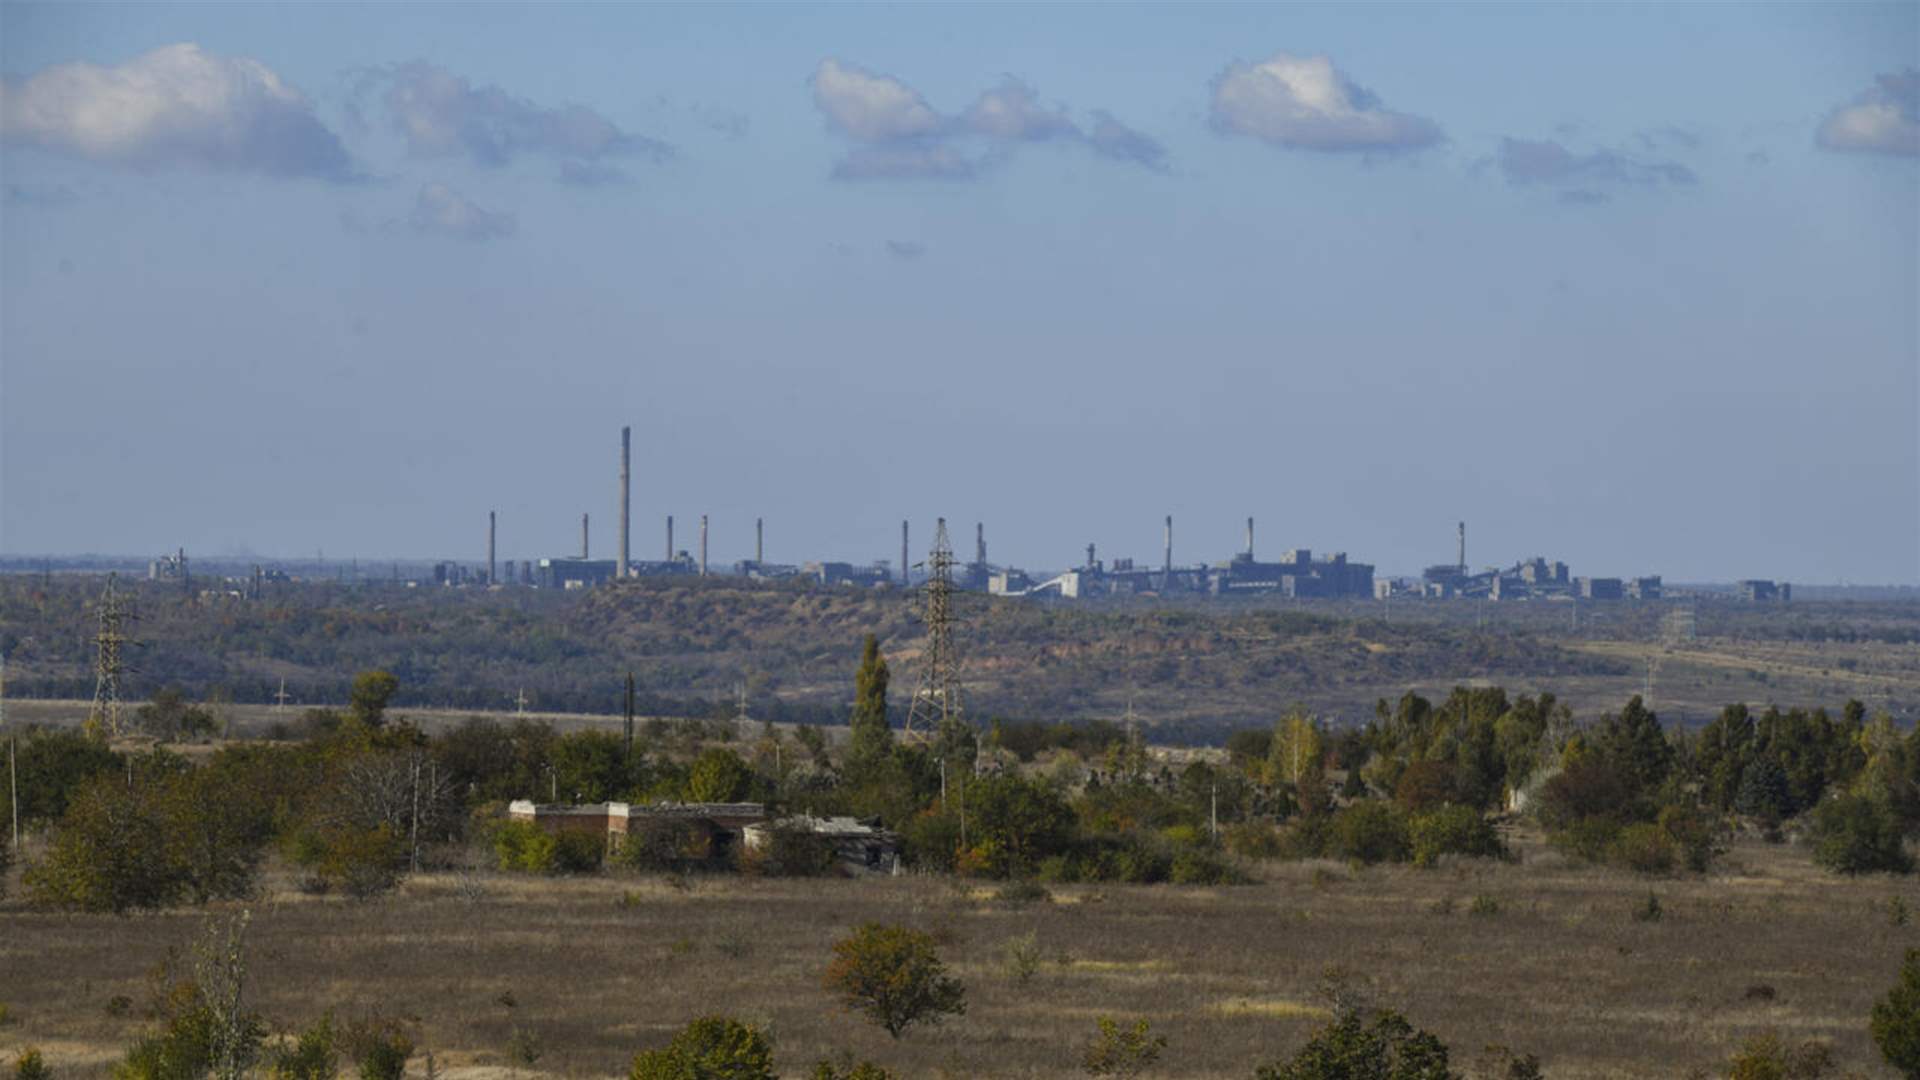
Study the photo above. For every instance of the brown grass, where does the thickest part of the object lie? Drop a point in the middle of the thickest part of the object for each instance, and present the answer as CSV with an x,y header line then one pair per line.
x,y
1229,975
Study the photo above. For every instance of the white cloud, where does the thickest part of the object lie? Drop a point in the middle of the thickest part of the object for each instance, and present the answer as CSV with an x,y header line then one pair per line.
x,y
1304,102
442,210
899,136
1012,112
177,105
869,107
1546,161
443,115
1884,119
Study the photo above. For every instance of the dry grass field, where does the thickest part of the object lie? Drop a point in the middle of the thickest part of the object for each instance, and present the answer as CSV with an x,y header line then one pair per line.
x,y
598,968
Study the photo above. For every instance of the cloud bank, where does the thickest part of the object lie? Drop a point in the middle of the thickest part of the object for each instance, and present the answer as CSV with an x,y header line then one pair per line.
x,y
441,114
898,135
1883,119
1547,161
1305,103
176,106
442,211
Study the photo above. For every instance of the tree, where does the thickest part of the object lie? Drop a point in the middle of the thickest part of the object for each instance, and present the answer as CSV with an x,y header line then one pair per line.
x,y
1351,1048
718,775
1895,1021
1853,834
1296,747
371,691
1633,742
1122,1052
111,852
1763,792
895,976
870,739
1014,823
709,1048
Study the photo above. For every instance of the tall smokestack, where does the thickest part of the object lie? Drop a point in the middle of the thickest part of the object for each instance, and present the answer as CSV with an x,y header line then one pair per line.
x,y
490,524
1249,539
759,541
669,537
626,477
906,578
1463,549
583,537
1169,563
980,542
703,545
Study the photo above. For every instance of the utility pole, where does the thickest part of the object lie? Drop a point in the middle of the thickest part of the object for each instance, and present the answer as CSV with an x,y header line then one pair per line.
x,y
627,752
103,719
13,755
937,702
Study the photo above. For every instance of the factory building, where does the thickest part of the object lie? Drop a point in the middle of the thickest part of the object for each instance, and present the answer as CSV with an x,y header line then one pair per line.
x,y
1297,575
1759,591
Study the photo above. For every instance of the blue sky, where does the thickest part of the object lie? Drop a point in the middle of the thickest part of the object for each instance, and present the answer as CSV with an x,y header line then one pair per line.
x,y
1633,287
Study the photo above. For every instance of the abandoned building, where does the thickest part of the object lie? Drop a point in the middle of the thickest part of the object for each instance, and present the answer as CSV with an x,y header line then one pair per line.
x,y
859,848
722,823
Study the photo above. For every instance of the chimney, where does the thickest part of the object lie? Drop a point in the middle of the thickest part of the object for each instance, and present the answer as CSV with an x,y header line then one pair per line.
x,y
583,537
1089,556
626,476
1463,549
490,523
980,543
1169,562
1249,539
703,545
906,577
669,537
759,541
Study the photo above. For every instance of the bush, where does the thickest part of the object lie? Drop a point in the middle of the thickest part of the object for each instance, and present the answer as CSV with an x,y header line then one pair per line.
x,y
709,1048
1768,1057
664,845
1644,849
1023,892
526,847
1588,788
1198,866
577,851
1022,957
1853,834
1696,836
849,1070
1371,831
1123,1052
113,851
1253,840
894,976
1895,1021
29,1065
379,1047
1453,830
1589,838
1350,1048
311,1056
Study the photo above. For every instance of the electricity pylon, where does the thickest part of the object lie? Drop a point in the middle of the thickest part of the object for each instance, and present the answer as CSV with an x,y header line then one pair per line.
x,y
103,719
937,701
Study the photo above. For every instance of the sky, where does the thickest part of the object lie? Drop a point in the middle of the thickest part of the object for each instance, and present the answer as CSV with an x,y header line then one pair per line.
x,y
1633,287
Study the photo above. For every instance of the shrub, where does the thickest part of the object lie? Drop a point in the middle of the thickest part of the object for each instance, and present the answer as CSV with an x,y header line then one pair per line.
x,y
1696,836
1371,831
1425,785
578,852
664,845
1124,1052
894,976
1350,1048
311,1056
379,1047
1022,957
1453,830
1198,866
1588,838
29,1065
1853,834
1644,849
1588,788
1023,892
1484,906
1895,1021
1768,1057
1253,840
113,851
709,1048
1649,910
363,862
526,847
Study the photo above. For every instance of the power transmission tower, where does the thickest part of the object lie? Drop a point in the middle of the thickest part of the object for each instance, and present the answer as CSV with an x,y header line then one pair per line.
x,y
937,701
103,720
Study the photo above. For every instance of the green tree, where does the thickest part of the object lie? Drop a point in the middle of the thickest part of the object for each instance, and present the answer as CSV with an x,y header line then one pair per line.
x,y
719,775
1633,742
1014,822
1853,834
709,1048
1296,748
1122,1052
372,690
1352,1047
895,976
869,739
111,852
1895,1022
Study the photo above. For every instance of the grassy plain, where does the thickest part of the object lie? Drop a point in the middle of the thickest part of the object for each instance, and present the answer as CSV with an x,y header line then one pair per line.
x,y
600,967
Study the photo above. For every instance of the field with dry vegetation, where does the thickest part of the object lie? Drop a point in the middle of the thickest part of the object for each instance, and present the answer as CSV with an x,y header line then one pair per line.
x,y
1543,956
